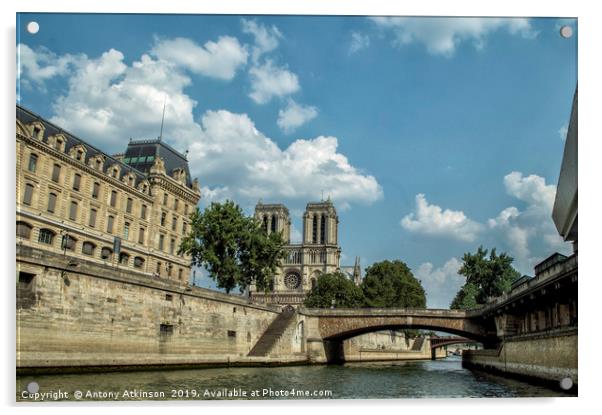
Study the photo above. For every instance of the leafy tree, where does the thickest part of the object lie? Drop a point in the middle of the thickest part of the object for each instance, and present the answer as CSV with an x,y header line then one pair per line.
x,y
392,284
466,298
337,287
485,277
232,247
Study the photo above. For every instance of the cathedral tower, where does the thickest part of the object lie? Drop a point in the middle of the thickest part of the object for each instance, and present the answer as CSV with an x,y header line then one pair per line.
x,y
275,218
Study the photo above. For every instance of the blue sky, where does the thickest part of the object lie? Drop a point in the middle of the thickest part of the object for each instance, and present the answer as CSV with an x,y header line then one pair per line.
x,y
432,135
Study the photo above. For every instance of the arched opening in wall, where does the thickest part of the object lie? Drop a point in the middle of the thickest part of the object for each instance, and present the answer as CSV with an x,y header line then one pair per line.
x,y
138,262
88,248
68,243
106,253
265,224
322,229
124,258
314,229
46,236
24,230
274,223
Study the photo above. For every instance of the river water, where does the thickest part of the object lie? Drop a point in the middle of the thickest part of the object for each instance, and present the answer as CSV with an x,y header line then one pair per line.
x,y
416,379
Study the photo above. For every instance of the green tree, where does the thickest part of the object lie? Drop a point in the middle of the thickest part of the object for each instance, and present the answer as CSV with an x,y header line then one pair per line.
x,y
466,298
232,247
485,277
334,289
392,284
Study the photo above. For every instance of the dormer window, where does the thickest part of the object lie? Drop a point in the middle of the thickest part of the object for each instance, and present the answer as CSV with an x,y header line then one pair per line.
x,y
99,164
59,145
79,155
115,173
36,131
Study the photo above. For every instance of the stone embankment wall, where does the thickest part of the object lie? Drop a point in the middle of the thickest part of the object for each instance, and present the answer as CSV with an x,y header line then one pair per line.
x,y
95,315
548,356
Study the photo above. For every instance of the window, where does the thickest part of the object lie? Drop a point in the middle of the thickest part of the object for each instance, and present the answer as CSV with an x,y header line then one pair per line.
x,y
274,223
124,258
165,199
314,230
161,241
174,223
36,132
184,227
23,230
168,297
58,145
166,329
73,211
99,164
138,262
56,173
141,236
92,219
77,181
186,209
33,162
88,248
159,267
95,190
172,246
128,205
106,253
68,242
126,231
25,278
143,211
115,173
28,195
110,221
180,274
231,333
163,216
46,236
79,155
322,229
51,202
175,204
113,200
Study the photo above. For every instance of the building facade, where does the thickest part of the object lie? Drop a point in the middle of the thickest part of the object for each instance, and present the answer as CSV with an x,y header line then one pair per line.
x,y
129,210
318,253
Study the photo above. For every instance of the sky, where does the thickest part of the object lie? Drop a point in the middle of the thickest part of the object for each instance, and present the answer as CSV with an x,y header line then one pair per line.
x,y
432,136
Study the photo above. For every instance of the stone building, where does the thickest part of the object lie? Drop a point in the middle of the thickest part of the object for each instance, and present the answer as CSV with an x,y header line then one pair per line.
x,y
128,211
318,252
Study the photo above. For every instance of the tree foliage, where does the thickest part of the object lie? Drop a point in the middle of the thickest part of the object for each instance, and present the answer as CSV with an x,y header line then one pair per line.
x,y
392,284
334,290
234,248
485,277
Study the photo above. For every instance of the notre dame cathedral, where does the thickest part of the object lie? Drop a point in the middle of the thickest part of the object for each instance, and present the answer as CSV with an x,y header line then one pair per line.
x,y
318,252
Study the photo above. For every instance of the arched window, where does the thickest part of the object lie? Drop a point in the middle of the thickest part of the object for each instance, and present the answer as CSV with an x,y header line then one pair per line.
x,y
323,229
23,230
138,262
46,236
124,258
106,253
274,223
68,242
88,248
265,223
314,230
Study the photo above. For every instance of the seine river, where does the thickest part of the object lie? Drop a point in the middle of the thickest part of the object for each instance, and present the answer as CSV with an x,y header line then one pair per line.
x,y
417,379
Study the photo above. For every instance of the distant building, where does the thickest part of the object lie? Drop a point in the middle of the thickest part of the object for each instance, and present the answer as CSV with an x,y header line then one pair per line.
x,y
128,211
318,253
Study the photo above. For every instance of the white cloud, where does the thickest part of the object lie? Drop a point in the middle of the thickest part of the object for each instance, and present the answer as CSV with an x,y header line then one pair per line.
x,y
441,35
563,131
268,81
41,65
295,115
219,59
441,284
108,101
266,38
432,220
531,189
358,42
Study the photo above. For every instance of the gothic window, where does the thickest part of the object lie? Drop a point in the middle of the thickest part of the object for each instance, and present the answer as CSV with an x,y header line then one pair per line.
x,y
126,230
51,202
322,229
56,173
46,236
28,194
73,211
77,181
274,223
95,190
323,257
314,230
92,218
88,248
110,221
23,230
106,253
124,258
33,162
128,205
292,280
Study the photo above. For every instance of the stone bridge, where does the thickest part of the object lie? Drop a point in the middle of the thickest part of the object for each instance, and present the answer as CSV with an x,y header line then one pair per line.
x,y
326,329
437,342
